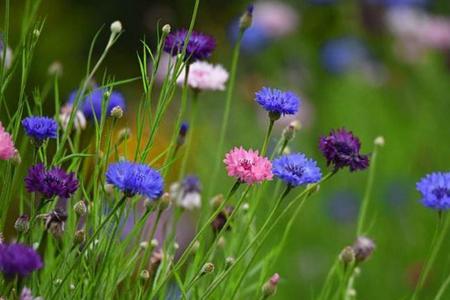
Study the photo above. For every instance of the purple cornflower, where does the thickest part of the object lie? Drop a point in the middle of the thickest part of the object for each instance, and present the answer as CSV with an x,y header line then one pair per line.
x,y
134,178
278,102
18,259
40,128
199,47
92,103
50,183
296,169
435,190
341,149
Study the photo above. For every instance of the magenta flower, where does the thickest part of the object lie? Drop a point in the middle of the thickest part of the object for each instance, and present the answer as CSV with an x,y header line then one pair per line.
x,y
7,149
248,166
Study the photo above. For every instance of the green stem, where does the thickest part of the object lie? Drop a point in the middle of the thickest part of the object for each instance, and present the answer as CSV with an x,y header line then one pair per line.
x,y
226,114
266,139
367,193
443,288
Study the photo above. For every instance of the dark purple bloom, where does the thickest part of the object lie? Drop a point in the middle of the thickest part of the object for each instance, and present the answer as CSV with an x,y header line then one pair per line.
x,y
296,169
134,178
199,47
278,102
435,190
50,183
92,103
18,259
40,128
341,149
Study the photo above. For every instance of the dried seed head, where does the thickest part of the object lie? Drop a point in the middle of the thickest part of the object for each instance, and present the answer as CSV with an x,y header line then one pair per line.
x,y
80,208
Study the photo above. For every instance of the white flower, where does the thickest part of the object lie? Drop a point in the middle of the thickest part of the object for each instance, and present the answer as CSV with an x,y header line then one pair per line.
x,y
205,76
8,57
186,193
79,121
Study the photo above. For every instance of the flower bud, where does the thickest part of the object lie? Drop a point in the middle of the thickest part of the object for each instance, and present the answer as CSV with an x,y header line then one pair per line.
x,y
123,135
245,207
166,29
207,268
379,141
143,245
145,275
216,201
195,246
221,242
80,208
79,237
182,133
22,224
229,261
17,159
164,201
55,69
36,33
116,27
289,131
117,112
270,287
154,243
247,18
363,248
347,255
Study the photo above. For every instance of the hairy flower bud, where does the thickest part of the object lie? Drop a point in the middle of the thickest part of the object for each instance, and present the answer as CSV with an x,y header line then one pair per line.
x,y
270,287
164,202
22,224
79,237
289,131
379,141
347,255
123,135
207,268
80,208
117,112
229,261
363,248
166,29
247,18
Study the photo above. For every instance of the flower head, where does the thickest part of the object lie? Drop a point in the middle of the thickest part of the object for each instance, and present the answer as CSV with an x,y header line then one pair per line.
x,y
92,103
205,76
363,248
187,192
341,149
79,120
7,149
435,190
134,178
199,47
278,102
18,259
40,128
26,294
296,169
248,166
52,182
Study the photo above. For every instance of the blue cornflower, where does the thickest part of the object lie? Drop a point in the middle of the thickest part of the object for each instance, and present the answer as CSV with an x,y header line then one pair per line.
x,y
435,190
344,54
278,102
40,128
296,169
199,47
92,103
134,178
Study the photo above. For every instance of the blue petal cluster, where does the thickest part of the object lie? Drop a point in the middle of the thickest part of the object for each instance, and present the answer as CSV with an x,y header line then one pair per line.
x,y
18,260
134,178
92,103
277,101
435,190
40,128
296,169
199,47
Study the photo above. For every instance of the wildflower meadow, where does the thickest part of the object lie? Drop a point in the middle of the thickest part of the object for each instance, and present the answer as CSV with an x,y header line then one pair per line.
x,y
224,150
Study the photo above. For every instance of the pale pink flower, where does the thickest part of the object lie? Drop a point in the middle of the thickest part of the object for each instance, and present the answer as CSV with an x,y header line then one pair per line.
x,y
79,120
205,76
7,149
248,166
277,18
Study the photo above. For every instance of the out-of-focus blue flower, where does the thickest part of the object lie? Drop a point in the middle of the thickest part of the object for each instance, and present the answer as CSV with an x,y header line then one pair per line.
x,y
40,128
18,260
398,3
199,47
296,169
187,192
50,183
92,103
343,206
134,178
343,54
435,190
255,37
278,102
341,149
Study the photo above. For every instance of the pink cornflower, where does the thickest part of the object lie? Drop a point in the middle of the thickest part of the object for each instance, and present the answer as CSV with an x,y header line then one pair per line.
x,y
205,76
248,166
7,149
